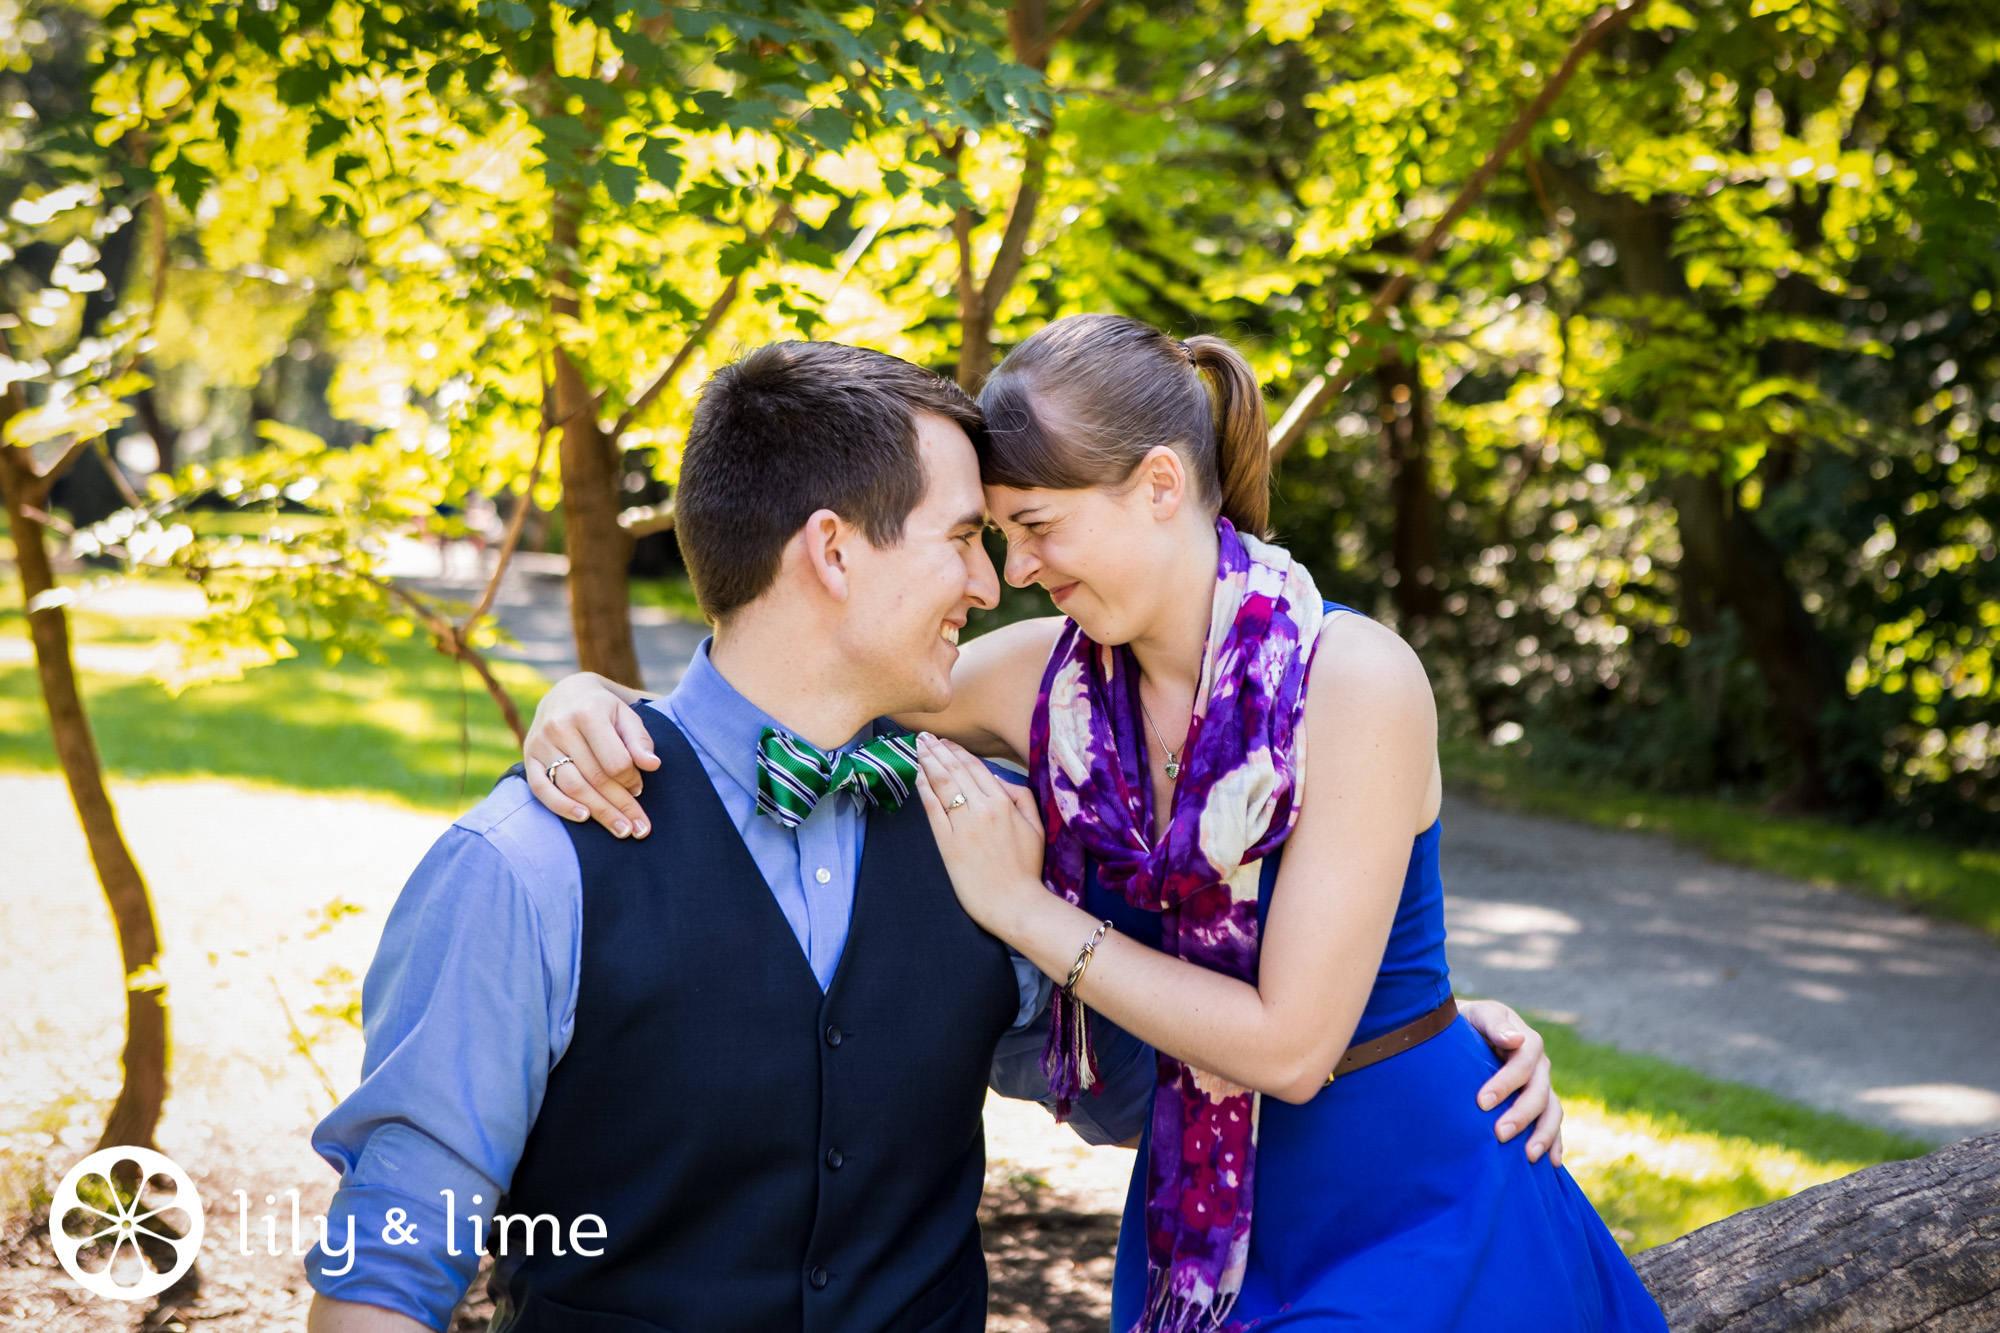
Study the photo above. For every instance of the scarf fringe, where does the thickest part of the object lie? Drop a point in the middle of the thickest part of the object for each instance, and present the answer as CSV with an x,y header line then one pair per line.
x,y
1069,1059
1167,1312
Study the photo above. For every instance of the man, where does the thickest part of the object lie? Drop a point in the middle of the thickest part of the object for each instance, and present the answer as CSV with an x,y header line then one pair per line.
x,y
729,1075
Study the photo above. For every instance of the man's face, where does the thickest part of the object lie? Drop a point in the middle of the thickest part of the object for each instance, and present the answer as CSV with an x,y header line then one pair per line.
x,y
907,602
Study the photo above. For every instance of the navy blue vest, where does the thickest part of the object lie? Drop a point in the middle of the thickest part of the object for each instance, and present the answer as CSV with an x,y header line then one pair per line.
x,y
764,1157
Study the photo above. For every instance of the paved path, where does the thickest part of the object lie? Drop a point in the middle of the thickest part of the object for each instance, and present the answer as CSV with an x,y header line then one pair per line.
x,y
1824,997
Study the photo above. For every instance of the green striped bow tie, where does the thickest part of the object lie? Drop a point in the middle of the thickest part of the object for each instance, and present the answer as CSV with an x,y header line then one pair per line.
x,y
793,775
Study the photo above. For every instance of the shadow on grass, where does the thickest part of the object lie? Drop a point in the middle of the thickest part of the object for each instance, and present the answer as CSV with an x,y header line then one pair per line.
x,y
391,730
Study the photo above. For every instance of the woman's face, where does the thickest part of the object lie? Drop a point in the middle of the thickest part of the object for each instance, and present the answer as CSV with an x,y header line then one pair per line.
x,y
1100,551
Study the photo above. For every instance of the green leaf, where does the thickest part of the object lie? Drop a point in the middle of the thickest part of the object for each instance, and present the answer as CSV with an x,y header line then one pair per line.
x,y
829,129
897,183
325,133
190,182
621,182
303,85
661,162
515,16
228,127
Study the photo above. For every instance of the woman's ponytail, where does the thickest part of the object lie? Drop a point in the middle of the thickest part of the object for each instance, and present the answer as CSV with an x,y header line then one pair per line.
x,y
1081,402
1242,434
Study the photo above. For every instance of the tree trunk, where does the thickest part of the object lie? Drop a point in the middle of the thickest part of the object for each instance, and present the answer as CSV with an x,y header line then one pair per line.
x,y
136,1113
1406,438
600,551
1901,1246
165,438
979,302
1727,560
1731,555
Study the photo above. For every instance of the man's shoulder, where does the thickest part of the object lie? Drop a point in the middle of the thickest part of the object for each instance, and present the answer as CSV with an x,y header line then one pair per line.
x,y
527,836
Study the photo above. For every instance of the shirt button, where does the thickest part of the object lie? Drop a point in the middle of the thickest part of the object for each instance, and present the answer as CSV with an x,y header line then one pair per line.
x,y
834,1159
833,1035
822,874
818,1277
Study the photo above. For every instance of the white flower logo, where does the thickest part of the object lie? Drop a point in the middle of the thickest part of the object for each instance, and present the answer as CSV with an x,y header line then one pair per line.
x,y
96,1226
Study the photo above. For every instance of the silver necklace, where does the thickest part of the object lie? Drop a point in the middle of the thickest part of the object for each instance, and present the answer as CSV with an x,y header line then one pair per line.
x,y
1173,759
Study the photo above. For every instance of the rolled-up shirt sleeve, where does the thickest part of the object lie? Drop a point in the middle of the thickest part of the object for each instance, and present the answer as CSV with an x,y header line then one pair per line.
x,y
1125,1065
466,1008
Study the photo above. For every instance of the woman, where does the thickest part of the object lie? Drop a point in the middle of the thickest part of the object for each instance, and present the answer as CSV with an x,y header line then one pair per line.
x,y
1173,870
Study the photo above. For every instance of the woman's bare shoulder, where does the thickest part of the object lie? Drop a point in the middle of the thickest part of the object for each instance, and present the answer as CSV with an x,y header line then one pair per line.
x,y
1362,664
1023,644
993,689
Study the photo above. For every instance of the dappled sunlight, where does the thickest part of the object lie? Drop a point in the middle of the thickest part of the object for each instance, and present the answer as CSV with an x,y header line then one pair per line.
x,y
1942,1104
1654,1179
1816,994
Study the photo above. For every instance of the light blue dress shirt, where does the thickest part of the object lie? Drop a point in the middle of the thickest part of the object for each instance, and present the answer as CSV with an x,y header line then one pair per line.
x,y
471,1001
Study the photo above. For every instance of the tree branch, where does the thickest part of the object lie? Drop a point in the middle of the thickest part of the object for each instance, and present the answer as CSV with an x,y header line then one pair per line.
x,y
716,310
1323,389
451,642
514,527
1008,259
43,482
1071,22
645,520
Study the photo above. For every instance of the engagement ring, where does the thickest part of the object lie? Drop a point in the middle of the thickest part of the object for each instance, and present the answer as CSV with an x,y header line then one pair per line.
x,y
560,761
956,801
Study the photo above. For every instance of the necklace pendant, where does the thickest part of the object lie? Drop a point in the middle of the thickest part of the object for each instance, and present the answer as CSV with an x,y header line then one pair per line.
x,y
1173,769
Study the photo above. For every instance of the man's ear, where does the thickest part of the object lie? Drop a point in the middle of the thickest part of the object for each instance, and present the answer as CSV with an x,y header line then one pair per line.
x,y
824,542
1164,481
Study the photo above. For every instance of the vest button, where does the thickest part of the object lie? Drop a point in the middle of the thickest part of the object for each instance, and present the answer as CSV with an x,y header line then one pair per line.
x,y
834,1035
819,1278
834,1159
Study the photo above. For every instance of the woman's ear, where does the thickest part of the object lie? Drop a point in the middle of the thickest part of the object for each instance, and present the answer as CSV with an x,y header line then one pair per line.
x,y
823,544
1163,481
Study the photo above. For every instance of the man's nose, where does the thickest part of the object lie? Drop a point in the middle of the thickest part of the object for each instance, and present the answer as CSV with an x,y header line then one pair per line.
x,y
982,585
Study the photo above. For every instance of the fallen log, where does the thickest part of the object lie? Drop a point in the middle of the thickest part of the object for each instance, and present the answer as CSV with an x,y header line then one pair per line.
x,y
1897,1248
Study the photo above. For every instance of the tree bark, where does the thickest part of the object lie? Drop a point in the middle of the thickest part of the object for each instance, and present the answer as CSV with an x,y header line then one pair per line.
x,y
1406,436
600,551
136,1114
1901,1246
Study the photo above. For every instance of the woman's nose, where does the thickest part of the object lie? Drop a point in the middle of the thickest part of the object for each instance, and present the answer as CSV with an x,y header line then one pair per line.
x,y
1021,565
982,585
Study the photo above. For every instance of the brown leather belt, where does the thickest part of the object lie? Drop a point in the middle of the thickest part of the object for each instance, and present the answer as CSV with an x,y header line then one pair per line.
x,y
1362,1054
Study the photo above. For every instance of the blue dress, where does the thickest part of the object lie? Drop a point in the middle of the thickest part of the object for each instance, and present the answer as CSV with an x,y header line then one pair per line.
x,y
1385,1203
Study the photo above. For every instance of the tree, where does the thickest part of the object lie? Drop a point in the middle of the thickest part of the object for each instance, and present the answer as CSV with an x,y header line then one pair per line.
x,y
547,196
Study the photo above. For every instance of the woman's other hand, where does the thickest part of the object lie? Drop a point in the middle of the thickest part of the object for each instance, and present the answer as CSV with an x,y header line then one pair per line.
x,y
1526,1070
991,841
590,721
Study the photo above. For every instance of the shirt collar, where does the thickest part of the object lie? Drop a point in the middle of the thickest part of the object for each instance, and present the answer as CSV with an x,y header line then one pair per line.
x,y
719,720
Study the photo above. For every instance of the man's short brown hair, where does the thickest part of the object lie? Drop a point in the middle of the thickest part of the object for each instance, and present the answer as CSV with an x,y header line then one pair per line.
x,y
793,428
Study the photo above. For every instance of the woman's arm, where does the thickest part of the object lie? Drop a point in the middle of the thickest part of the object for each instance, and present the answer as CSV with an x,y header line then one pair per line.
x,y
591,721
1371,744
993,689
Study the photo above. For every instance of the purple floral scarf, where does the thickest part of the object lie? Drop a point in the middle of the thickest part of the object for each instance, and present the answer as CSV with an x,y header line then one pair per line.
x,y
1236,799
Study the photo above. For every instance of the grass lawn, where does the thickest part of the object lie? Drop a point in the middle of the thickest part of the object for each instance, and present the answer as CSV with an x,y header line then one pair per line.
x,y
1662,1150
1931,874
394,729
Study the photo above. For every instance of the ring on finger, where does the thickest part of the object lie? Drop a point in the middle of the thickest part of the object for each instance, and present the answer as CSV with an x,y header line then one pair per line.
x,y
956,801
560,760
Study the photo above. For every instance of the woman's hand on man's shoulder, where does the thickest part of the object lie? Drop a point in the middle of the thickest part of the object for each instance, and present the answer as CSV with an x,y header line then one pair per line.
x,y
585,751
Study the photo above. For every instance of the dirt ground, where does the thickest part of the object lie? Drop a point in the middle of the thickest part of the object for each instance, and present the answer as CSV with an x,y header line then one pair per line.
x,y
270,903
